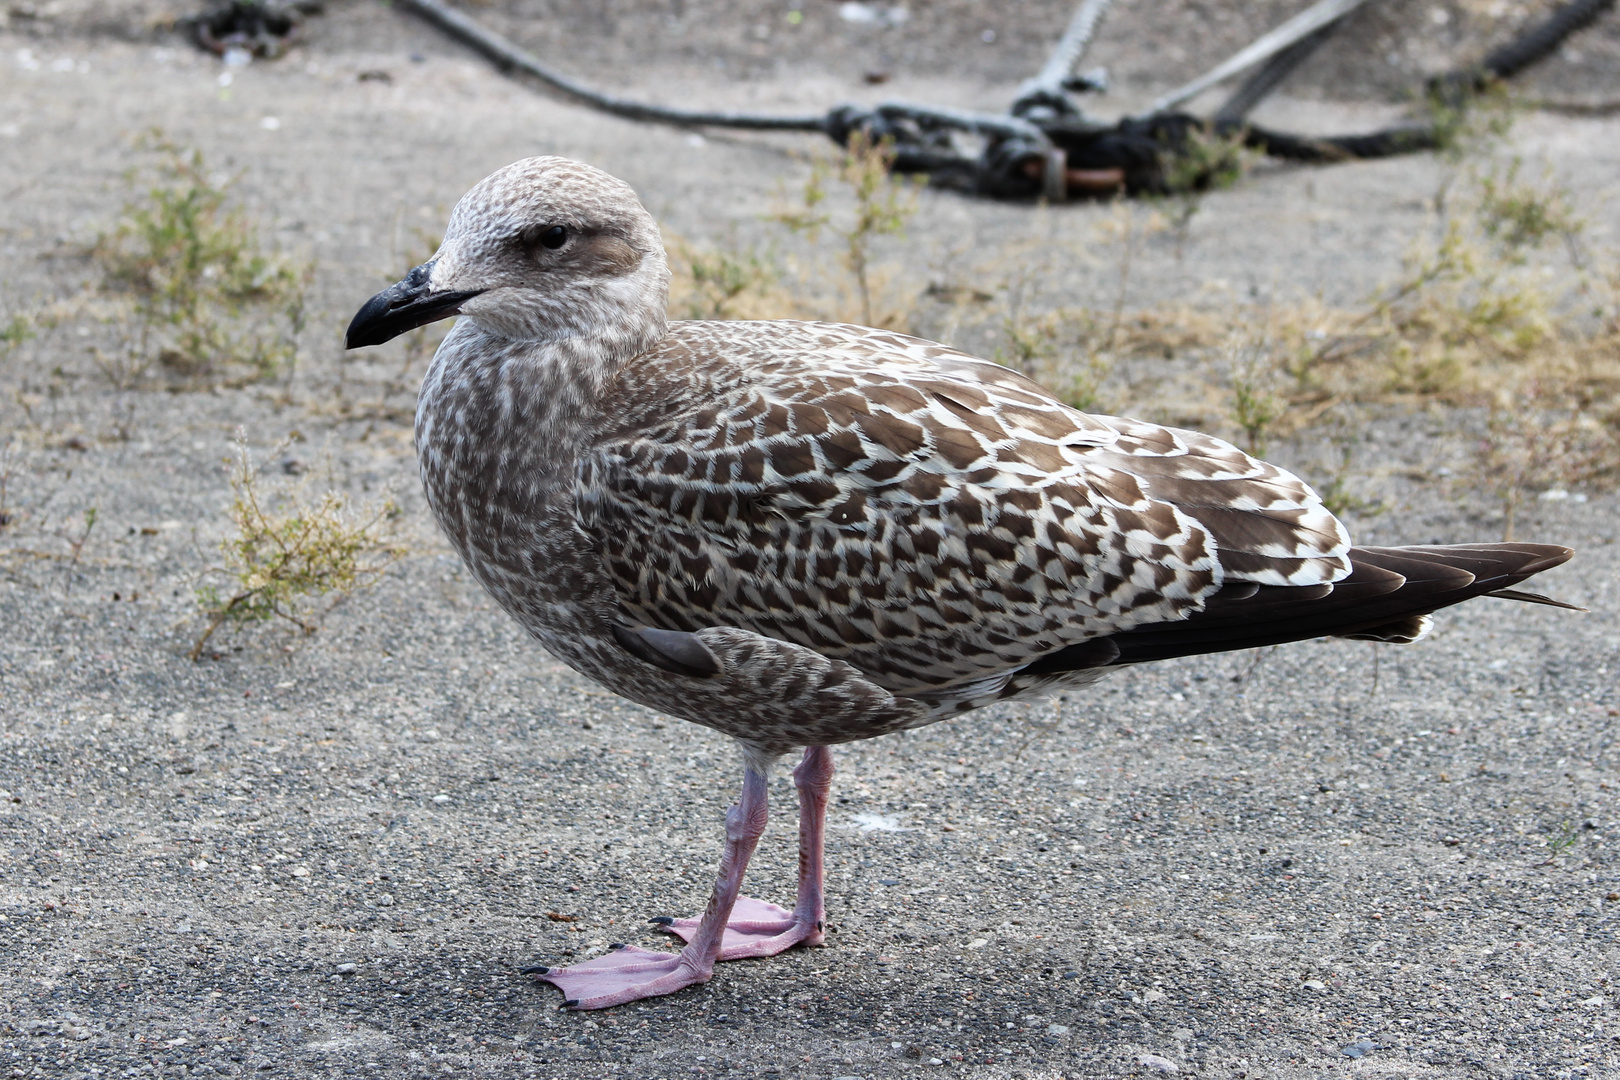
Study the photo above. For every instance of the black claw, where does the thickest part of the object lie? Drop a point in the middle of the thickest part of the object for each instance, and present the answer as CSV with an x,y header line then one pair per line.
x,y
569,1004
616,946
538,969
662,920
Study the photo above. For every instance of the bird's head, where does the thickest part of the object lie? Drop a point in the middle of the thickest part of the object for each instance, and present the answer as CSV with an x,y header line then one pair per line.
x,y
545,249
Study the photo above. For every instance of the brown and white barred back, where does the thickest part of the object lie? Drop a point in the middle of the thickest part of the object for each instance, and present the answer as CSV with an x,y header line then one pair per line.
x,y
929,517
867,531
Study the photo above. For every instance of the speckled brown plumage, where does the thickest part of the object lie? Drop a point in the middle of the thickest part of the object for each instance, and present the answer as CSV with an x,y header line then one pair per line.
x,y
934,521
835,532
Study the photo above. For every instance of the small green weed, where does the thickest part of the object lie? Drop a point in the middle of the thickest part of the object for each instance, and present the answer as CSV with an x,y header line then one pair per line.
x,y
1204,161
1460,307
1030,342
719,282
1207,161
1469,123
1522,216
207,302
1565,837
15,331
1256,406
285,553
1337,496
882,204
1345,428
1061,349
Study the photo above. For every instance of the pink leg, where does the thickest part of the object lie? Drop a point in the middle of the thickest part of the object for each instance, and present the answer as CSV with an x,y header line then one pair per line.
x,y
757,928
629,973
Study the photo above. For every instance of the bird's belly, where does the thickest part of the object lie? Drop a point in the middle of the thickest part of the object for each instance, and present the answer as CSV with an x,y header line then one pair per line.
x,y
547,576
544,571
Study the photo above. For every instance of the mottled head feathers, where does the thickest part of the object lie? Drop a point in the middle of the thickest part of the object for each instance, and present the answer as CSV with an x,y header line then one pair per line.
x,y
560,250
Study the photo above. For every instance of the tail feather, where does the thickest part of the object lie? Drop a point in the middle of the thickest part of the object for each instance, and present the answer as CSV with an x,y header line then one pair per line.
x,y
1387,596
1534,598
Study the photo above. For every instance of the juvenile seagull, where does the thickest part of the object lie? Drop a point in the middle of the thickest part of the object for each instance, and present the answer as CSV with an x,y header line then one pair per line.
x,y
802,534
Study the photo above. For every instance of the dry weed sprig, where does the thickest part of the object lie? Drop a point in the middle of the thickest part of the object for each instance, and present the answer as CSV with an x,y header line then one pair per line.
x,y
1126,234
724,282
280,556
1533,441
882,203
208,303
1256,405
1203,162
76,545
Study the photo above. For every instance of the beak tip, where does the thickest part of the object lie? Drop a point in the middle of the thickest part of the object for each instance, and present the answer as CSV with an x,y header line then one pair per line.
x,y
371,325
399,308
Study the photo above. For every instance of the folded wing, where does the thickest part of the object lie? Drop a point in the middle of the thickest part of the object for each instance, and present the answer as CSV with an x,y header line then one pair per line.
x,y
933,519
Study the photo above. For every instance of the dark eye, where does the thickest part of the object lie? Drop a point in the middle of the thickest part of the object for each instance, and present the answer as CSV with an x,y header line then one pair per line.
x,y
554,237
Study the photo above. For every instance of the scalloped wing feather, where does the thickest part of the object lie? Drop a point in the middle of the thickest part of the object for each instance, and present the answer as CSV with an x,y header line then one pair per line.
x,y
933,519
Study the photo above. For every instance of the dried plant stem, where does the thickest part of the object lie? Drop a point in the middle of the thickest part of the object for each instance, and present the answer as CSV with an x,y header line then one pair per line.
x,y
278,559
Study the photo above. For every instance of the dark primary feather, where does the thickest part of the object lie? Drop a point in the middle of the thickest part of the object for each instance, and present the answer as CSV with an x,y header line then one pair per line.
x,y
1384,598
1534,598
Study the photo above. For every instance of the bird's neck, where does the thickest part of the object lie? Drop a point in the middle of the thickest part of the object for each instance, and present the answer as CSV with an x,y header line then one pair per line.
x,y
495,409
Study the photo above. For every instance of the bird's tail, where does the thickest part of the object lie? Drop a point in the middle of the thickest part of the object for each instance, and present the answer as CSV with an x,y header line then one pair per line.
x,y
1387,596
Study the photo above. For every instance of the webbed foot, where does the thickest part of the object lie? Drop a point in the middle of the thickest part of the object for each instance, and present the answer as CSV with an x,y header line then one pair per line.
x,y
756,928
626,973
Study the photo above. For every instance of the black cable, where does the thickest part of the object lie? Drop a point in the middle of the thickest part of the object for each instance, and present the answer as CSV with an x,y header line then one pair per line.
x,y
1503,62
1264,81
1018,156
1389,142
1531,48
511,57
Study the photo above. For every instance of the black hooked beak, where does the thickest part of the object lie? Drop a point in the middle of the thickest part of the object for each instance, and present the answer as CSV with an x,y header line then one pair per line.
x,y
403,306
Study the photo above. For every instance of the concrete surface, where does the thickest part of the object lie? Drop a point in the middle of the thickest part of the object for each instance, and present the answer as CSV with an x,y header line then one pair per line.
x,y
328,856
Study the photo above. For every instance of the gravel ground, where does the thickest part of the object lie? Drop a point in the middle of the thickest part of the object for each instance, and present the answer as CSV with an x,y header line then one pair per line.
x,y
329,856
